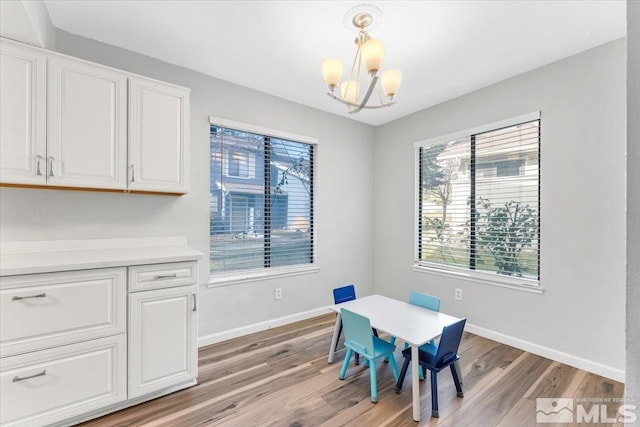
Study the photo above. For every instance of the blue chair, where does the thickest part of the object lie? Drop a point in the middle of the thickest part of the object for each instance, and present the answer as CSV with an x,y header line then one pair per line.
x,y
360,339
436,358
344,294
340,295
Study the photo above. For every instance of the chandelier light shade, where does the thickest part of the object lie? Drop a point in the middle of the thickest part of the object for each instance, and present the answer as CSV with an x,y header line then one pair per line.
x,y
391,82
372,55
349,91
332,72
369,57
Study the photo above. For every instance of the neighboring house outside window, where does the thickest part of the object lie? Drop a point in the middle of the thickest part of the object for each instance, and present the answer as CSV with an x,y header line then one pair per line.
x,y
478,203
261,202
240,164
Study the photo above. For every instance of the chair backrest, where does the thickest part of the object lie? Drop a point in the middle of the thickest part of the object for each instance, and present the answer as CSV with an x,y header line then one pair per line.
x,y
424,300
344,294
357,332
449,343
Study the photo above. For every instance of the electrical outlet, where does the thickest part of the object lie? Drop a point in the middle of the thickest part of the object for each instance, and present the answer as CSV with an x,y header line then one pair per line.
x,y
458,294
277,294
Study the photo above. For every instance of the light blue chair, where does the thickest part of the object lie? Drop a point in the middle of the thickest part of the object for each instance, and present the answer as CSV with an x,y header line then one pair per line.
x,y
340,295
359,338
423,300
344,294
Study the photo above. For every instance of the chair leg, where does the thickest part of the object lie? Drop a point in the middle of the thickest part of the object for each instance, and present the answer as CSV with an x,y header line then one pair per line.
x,y
403,373
345,364
456,380
434,395
459,369
392,340
394,367
374,380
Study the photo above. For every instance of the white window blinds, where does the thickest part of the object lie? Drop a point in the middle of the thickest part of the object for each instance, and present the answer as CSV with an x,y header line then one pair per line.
x,y
478,202
261,201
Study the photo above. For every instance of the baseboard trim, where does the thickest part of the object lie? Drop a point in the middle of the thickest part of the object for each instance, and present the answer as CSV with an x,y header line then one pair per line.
x,y
559,356
260,326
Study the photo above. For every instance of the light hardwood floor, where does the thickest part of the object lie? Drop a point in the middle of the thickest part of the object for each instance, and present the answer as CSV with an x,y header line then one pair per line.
x,y
280,377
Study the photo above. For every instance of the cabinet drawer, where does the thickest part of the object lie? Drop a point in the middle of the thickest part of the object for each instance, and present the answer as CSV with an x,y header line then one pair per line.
x,y
39,311
157,276
47,386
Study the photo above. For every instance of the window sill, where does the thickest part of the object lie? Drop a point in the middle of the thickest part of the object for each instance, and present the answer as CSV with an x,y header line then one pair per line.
x,y
477,278
217,281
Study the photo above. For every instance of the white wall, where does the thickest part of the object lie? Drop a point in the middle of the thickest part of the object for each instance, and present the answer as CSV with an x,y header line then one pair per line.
x,y
581,313
633,204
344,196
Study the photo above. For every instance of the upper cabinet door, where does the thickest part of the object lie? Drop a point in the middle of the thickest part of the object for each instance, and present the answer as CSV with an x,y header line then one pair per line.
x,y
22,114
158,137
87,125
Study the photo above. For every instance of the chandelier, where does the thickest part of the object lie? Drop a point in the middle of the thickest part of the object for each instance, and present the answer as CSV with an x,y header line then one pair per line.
x,y
369,55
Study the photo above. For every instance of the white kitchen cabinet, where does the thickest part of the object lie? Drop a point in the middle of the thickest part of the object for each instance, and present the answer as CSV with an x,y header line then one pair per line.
x,y
88,327
22,115
44,387
162,339
158,136
70,123
87,125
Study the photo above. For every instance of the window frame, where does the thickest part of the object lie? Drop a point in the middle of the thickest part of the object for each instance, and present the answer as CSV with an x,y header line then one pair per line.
x,y
519,283
244,276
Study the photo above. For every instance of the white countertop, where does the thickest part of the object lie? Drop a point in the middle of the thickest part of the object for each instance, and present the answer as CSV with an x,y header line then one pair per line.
x,y
44,257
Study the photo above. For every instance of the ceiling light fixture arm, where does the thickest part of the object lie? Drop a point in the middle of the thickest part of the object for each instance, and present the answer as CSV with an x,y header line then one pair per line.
x,y
354,108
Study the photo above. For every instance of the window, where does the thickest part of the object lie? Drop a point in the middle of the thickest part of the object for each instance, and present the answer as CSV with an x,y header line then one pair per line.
x,y
478,202
261,201
240,164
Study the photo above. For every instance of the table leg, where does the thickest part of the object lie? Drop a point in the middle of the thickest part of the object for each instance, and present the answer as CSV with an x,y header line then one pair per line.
x,y
415,382
334,339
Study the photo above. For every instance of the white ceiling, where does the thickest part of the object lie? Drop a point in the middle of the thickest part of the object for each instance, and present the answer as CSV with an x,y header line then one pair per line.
x,y
444,48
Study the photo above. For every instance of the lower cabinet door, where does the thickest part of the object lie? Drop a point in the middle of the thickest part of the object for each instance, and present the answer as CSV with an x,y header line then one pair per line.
x,y
162,339
43,387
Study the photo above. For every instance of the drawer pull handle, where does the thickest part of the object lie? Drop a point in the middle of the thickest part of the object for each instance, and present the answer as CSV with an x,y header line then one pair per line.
x,y
39,374
17,298
166,276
